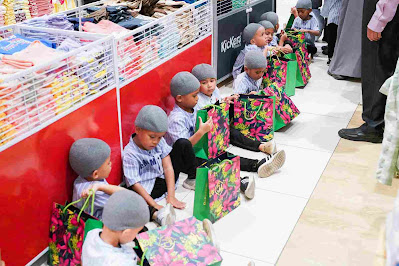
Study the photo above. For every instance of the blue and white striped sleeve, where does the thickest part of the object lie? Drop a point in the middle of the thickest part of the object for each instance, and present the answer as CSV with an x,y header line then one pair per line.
x,y
239,86
238,64
296,24
314,24
165,148
131,170
177,129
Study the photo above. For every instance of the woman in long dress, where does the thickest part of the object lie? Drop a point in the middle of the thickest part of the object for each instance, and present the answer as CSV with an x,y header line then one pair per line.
x,y
347,56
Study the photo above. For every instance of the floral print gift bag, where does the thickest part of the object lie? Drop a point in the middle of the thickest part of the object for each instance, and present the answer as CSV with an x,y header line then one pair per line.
x,y
217,188
254,116
67,228
218,139
182,243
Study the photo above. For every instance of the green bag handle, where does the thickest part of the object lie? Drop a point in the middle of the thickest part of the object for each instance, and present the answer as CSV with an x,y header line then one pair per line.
x,y
142,257
257,112
91,196
218,164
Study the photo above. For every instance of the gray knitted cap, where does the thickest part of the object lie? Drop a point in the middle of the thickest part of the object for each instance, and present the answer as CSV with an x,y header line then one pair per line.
x,y
87,155
203,72
266,24
125,209
183,83
270,16
306,4
250,31
152,118
255,59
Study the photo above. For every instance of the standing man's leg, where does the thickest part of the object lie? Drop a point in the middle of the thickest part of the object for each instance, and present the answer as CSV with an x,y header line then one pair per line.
x,y
378,64
332,39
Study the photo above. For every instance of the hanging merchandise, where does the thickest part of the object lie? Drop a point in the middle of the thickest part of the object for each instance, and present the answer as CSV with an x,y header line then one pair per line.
x,y
254,116
217,187
183,243
9,16
217,140
285,110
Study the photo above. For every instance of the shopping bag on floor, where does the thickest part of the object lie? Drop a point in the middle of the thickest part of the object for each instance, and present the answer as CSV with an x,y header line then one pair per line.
x,y
182,243
296,38
303,59
282,71
254,116
218,139
217,187
297,78
67,227
285,110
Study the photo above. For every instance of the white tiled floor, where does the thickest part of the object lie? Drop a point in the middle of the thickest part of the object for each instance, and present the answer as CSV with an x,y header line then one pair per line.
x,y
259,229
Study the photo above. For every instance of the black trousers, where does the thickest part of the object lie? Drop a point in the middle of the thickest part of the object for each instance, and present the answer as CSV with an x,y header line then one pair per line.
x,y
378,64
332,38
312,49
184,160
241,141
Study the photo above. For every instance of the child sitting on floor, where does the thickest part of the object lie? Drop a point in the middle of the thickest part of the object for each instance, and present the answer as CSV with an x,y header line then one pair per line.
x,y
185,88
305,22
209,94
125,214
279,40
90,158
250,81
254,37
151,167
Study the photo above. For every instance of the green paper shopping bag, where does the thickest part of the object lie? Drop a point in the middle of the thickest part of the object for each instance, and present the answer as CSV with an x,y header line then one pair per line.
x,y
184,242
290,22
217,140
217,187
281,70
254,116
67,226
296,78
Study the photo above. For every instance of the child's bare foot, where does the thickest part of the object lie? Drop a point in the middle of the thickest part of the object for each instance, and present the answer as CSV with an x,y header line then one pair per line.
x,y
268,147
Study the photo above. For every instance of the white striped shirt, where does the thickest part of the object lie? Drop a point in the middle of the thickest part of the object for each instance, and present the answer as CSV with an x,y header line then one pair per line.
x,y
204,100
239,63
142,166
311,24
244,84
100,198
274,42
181,125
334,11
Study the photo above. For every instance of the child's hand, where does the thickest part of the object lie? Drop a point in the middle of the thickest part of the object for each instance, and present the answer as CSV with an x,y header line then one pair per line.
x,y
284,37
87,192
205,127
176,203
294,11
229,99
304,30
253,93
287,49
157,206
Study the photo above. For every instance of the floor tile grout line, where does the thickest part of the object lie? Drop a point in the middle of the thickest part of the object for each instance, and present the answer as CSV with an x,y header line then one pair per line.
x,y
281,252
290,145
327,115
244,256
282,193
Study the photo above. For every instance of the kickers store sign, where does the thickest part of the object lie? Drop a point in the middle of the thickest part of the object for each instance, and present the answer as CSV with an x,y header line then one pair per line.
x,y
233,43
